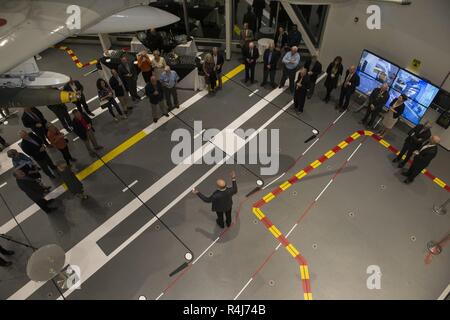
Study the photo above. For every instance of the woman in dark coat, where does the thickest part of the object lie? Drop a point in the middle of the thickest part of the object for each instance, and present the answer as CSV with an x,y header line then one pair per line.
x,y
334,71
210,74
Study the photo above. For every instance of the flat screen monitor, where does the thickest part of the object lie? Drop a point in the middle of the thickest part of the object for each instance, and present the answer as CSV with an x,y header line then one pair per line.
x,y
377,68
367,83
415,88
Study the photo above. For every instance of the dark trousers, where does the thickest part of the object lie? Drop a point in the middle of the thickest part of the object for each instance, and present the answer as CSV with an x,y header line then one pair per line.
x,y
46,165
66,155
258,21
132,87
312,86
43,204
250,71
41,133
220,221
413,171
146,76
344,99
170,93
289,74
299,100
64,118
82,104
112,103
3,141
406,150
372,114
271,74
328,95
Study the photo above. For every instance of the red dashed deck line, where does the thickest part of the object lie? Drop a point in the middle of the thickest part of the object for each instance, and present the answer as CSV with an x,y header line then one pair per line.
x,y
75,59
304,272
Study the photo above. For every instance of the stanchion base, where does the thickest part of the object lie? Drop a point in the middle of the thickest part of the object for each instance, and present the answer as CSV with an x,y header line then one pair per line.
x,y
439,210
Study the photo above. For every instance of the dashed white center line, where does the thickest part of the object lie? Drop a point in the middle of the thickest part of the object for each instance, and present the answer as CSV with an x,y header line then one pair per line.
x,y
340,117
310,146
199,134
205,250
242,290
75,139
274,181
3,184
253,93
130,185
292,229
159,296
320,194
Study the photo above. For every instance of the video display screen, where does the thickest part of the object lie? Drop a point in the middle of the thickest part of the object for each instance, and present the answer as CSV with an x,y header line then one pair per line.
x,y
415,88
378,68
374,70
367,83
413,110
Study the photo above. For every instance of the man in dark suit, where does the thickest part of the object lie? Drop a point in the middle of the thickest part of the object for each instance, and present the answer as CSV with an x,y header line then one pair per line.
x,y
218,64
129,75
351,82
377,100
33,146
422,159
258,9
33,190
33,119
250,19
250,56
77,87
221,199
294,37
417,136
301,90
271,57
314,68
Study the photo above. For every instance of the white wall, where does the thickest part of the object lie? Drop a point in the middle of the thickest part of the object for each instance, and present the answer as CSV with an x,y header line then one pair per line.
x,y
420,30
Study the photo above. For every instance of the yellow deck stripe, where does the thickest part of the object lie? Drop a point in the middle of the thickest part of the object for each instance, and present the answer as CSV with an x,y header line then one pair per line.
x,y
355,136
276,233
440,183
315,164
385,143
269,197
307,296
342,145
368,133
285,185
329,154
258,213
300,175
304,272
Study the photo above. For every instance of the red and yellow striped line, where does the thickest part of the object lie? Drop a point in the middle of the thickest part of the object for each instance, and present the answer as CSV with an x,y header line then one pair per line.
x,y
75,59
304,272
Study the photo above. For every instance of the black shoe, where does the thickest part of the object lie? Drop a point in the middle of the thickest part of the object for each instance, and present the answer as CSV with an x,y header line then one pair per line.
x,y
5,263
407,181
263,84
246,80
167,115
6,252
50,210
401,165
404,174
396,160
280,86
178,107
220,224
228,225
155,120
98,148
274,86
